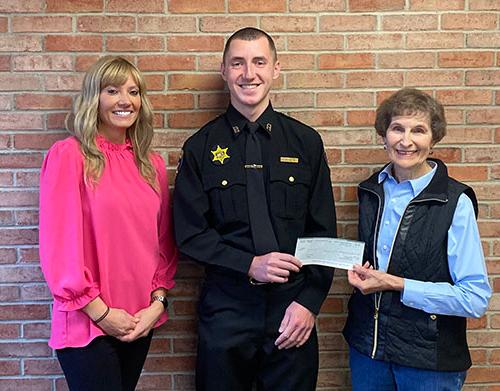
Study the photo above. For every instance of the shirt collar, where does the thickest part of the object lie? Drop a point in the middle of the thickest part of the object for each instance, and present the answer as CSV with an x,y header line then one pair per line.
x,y
104,144
237,121
417,184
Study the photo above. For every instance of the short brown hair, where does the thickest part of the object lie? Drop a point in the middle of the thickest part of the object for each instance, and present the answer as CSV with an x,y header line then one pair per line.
x,y
250,34
410,101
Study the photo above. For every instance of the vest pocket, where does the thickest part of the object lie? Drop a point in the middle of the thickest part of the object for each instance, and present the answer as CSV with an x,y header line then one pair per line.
x,y
418,328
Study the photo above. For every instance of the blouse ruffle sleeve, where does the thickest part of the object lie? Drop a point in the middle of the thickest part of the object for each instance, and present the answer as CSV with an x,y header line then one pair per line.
x,y
167,265
61,227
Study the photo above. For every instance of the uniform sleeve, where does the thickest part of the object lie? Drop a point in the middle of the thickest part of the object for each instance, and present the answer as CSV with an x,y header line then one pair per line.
x,y
194,235
469,294
321,222
61,228
167,265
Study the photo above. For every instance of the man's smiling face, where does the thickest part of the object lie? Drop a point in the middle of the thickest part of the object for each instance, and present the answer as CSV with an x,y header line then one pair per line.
x,y
249,69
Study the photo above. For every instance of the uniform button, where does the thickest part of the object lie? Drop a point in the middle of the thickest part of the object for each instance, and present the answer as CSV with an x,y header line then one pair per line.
x,y
386,222
433,317
384,247
291,179
393,200
224,183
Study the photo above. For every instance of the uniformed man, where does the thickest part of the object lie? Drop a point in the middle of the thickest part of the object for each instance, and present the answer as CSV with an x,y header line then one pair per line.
x,y
249,184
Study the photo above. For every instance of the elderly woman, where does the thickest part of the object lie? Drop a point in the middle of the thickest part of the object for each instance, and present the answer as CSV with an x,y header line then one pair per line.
x,y
106,244
424,272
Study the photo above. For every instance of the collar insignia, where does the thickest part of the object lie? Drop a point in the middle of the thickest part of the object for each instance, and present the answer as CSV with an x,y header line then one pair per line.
x,y
220,154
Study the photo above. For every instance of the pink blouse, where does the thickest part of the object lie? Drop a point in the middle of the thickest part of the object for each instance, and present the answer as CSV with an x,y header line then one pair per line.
x,y
112,240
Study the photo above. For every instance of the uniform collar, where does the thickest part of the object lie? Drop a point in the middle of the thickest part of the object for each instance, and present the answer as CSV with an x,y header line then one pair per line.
x,y
237,121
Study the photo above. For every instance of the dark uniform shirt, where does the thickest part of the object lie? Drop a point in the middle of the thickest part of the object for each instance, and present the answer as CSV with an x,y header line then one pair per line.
x,y
210,200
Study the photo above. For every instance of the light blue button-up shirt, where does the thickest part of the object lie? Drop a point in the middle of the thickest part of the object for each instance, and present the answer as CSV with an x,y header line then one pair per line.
x,y
469,294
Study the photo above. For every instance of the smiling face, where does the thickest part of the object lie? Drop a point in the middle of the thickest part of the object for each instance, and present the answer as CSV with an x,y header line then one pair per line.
x,y
408,140
118,109
249,70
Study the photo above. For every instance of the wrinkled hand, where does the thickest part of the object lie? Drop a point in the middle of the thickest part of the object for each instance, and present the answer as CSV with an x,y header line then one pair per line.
x,y
295,327
118,323
368,280
273,267
147,319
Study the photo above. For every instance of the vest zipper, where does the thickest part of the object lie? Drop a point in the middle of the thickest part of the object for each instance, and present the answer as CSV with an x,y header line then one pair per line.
x,y
376,300
379,299
378,295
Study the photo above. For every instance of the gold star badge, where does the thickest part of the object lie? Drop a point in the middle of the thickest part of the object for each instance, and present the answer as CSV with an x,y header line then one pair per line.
x,y
220,154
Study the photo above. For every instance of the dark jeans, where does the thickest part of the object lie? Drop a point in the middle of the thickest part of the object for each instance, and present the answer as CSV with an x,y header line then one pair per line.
x,y
106,364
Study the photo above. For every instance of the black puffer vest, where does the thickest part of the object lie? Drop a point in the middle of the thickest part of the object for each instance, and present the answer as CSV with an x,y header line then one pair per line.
x,y
379,325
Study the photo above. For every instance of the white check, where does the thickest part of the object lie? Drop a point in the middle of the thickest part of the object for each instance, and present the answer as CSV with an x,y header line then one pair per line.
x,y
338,253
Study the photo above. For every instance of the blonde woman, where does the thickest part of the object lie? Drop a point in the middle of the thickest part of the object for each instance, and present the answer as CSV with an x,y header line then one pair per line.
x,y
106,245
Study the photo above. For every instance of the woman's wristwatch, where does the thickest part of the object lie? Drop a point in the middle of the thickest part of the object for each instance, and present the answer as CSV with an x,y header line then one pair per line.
x,y
161,299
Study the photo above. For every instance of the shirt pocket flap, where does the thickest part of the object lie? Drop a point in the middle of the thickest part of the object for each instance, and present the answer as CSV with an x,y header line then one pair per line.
x,y
223,180
290,175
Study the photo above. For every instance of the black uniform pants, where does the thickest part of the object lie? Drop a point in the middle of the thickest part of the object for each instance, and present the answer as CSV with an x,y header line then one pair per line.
x,y
106,364
238,325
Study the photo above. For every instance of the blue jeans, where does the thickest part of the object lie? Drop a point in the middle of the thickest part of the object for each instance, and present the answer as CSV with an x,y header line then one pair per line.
x,y
375,375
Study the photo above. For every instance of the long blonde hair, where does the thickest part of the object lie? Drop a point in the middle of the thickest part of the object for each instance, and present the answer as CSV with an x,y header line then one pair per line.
x,y
112,70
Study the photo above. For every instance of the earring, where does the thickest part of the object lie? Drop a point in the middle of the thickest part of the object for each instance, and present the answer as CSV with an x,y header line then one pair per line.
x,y
385,146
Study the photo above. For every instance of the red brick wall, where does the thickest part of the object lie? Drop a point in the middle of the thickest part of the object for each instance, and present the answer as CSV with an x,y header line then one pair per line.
x,y
340,58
